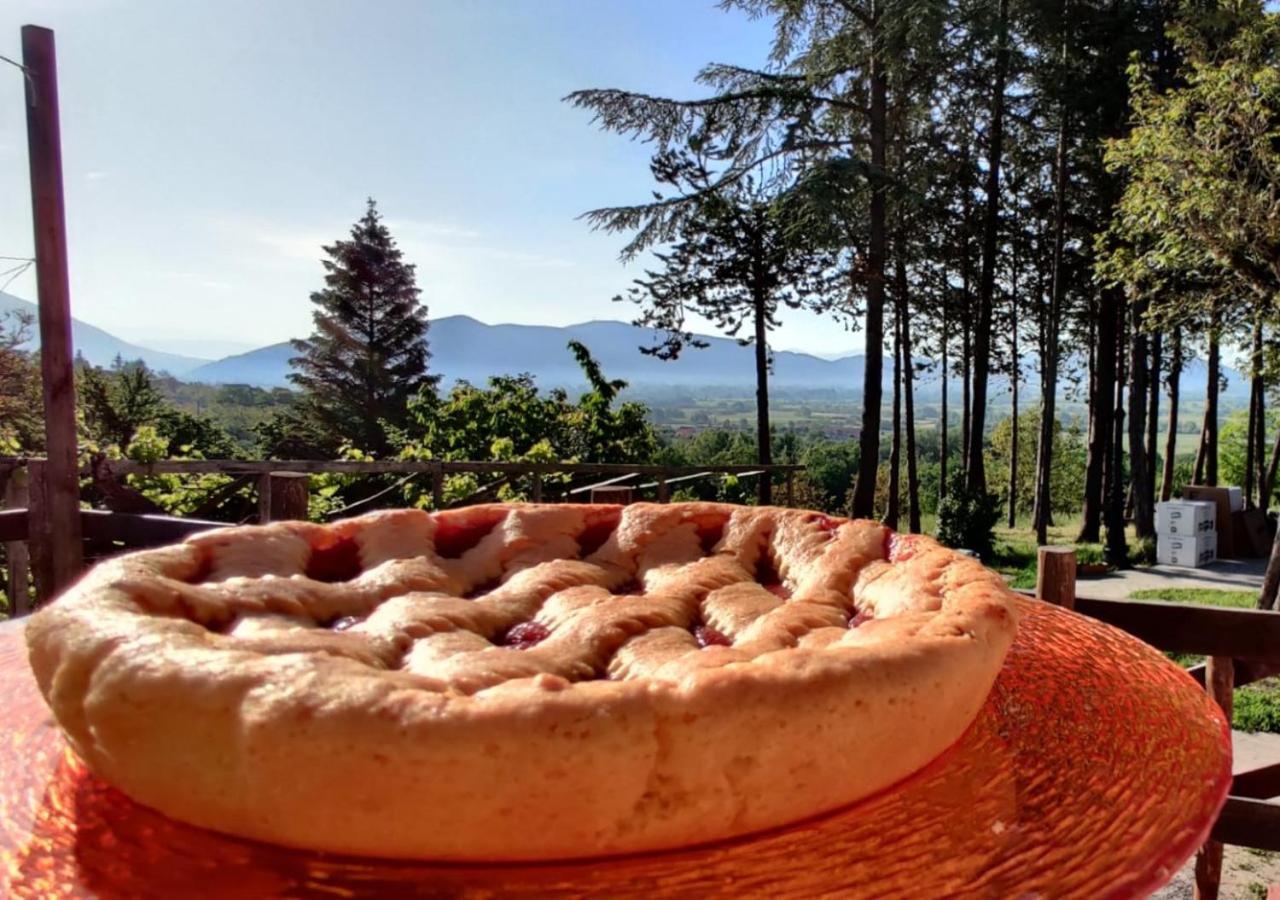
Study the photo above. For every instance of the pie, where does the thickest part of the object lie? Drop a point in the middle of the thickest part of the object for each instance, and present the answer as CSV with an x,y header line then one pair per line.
x,y
518,682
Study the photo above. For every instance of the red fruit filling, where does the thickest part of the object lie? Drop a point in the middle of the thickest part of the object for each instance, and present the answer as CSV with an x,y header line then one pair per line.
x,y
595,535
526,635
859,619
828,524
900,546
706,636
709,534
767,577
335,561
455,535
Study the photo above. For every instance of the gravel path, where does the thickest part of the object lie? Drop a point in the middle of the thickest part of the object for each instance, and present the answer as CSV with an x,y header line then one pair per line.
x,y
1225,574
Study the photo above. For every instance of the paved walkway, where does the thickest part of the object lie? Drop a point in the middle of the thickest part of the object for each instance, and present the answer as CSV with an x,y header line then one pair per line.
x,y
1225,574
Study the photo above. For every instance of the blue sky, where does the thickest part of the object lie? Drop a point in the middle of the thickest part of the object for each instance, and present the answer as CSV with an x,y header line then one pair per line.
x,y
211,147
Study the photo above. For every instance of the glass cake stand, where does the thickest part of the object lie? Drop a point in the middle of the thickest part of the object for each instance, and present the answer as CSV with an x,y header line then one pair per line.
x,y
1095,770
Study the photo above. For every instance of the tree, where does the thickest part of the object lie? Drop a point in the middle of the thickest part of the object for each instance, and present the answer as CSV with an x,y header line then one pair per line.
x,y
118,402
1202,164
736,261
368,353
21,421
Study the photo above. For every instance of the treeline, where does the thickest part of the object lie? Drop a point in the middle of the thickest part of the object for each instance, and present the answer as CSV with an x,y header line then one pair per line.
x,y
1004,187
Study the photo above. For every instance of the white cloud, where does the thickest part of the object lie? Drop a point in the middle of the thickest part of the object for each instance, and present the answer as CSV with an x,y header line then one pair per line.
x,y
96,175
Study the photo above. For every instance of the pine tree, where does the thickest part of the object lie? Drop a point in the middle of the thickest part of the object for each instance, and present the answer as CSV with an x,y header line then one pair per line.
x,y
368,354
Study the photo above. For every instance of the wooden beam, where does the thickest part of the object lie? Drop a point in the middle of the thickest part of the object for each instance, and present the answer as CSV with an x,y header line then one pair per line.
x,y
1248,634
135,531
1261,783
17,557
385,466
1247,671
1220,683
14,525
1056,576
283,496
1246,822
48,214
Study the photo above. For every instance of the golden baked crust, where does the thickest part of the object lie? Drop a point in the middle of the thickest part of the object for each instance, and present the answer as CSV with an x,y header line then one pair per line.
x,y
521,682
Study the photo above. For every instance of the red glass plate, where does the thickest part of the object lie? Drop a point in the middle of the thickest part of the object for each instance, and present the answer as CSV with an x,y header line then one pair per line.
x,y
1095,770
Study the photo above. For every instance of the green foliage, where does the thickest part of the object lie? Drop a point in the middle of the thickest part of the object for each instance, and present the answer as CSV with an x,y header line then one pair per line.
x,y
1257,708
368,354
21,423
116,402
1201,596
967,519
511,420
1066,477
1197,218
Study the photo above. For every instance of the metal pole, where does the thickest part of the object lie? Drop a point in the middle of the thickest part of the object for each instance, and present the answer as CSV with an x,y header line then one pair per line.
x,y
44,148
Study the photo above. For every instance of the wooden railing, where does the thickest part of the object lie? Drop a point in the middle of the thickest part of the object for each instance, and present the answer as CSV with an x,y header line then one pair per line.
x,y
283,489
1242,646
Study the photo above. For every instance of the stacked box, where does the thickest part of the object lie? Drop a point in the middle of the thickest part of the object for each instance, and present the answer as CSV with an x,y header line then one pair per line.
x,y
1186,533
1192,550
1186,517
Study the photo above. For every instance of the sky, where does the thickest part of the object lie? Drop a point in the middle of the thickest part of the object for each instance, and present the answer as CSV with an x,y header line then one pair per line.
x,y
211,148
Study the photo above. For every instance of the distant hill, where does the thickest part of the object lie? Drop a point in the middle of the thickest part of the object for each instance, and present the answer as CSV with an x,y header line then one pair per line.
x,y
99,347
463,348
466,349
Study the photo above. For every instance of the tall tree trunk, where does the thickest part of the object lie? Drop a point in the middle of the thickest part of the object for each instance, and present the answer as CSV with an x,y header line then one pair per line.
x,y
1257,419
975,467
943,423
966,376
1207,455
1269,479
1117,548
893,504
764,443
1102,414
864,488
1171,436
1153,410
908,390
1013,387
1049,365
1144,524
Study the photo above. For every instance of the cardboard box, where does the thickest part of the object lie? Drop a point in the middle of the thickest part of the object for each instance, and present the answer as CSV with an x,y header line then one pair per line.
x,y
1235,497
1253,532
1191,551
1186,517
1222,497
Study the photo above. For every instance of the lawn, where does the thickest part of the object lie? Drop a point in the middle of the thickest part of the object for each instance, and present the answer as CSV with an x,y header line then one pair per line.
x,y
1016,549
1257,706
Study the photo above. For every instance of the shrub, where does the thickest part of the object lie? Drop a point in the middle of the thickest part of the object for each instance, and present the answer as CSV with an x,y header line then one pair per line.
x,y
966,520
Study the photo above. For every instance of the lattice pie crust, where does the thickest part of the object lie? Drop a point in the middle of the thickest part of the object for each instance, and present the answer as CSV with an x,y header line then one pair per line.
x,y
521,682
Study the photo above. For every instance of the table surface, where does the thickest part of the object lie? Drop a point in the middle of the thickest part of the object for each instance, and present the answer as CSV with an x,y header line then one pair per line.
x,y
1095,770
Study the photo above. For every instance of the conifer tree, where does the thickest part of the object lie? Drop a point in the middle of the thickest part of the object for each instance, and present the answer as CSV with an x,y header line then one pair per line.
x,y
368,354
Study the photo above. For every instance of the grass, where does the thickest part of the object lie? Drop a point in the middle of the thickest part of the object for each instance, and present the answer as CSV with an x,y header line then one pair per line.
x,y
1256,707
1016,549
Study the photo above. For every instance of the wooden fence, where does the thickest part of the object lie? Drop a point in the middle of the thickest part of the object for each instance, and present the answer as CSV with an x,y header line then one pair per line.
x,y
1241,646
33,543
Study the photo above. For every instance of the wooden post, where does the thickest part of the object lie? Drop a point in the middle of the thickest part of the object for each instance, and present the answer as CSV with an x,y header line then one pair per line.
x,y
537,488
664,492
437,487
1220,682
791,493
621,495
39,532
1056,576
61,494
282,496
16,553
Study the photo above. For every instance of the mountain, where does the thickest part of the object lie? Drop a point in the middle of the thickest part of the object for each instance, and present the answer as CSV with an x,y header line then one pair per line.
x,y
463,348
99,347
